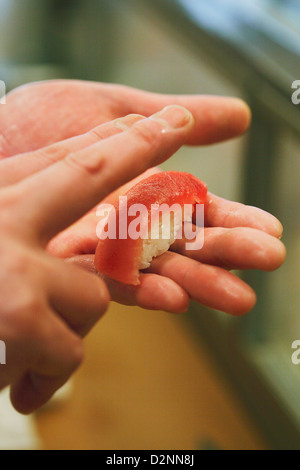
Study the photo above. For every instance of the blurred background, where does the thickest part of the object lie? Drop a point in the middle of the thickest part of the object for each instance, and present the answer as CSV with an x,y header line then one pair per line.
x,y
205,380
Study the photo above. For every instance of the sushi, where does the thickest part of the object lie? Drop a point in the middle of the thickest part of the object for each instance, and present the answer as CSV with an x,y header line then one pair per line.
x,y
127,242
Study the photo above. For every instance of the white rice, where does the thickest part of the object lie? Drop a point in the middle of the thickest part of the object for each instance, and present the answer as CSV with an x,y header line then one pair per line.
x,y
156,244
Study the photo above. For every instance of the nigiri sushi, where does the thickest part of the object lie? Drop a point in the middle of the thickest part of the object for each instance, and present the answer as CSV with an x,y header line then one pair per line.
x,y
135,241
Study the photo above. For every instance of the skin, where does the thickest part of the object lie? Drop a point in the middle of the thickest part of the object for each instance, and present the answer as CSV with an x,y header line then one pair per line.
x,y
65,135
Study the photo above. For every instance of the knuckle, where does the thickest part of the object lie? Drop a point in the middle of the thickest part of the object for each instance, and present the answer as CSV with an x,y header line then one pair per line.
x,y
18,265
77,353
8,202
100,302
97,133
125,123
186,276
12,211
104,298
22,312
59,350
148,132
52,154
32,304
25,317
90,162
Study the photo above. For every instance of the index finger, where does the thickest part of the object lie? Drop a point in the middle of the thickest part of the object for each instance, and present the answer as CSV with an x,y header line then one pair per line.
x,y
61,194
15,169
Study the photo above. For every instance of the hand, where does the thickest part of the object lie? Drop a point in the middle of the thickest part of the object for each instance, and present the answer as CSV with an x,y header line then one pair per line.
x,y
215,120
49,305
37,115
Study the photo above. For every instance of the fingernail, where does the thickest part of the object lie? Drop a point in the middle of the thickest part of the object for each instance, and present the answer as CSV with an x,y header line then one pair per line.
x,y
174,117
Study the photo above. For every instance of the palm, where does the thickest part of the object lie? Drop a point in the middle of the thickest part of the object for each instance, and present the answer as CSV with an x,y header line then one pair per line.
x,y
236,236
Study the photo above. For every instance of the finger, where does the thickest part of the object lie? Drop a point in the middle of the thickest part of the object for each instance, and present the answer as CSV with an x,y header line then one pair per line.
x,y
236,248
77,296
211,286
217,118
55,355
222,213
154,293
17,168
68,189
74,310
33,391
